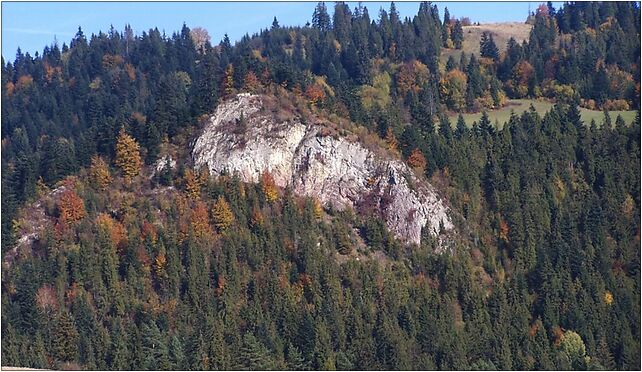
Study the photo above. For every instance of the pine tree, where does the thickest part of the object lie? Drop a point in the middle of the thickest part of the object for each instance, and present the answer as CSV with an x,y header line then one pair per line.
x,y
128,155
295,359
457,35
176,354
65,338
321,18
253,354
156,354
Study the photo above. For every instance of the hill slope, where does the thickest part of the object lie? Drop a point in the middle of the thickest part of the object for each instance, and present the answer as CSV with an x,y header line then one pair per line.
x,y
502,32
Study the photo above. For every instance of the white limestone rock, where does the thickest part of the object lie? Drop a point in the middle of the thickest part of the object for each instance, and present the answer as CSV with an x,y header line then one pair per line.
x,y
242,137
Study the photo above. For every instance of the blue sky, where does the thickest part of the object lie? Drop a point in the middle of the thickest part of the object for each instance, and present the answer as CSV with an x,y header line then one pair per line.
x,y
32,25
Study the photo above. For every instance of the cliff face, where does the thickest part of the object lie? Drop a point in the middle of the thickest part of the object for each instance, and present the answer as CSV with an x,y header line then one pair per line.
x,y
242,136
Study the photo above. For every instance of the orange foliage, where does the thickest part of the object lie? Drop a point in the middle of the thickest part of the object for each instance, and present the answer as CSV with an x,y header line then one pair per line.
x,y
533,330
114,229
143,258
391,141
71,208
24,81
149,231
268,186
220,286
51,72
252,83
257,217
200,220
110,61
314,94
417,160
503,230
10,88
558,336
411,77
71,293
131,71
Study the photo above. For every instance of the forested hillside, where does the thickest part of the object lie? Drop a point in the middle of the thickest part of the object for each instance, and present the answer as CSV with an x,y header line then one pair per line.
x,y
140,265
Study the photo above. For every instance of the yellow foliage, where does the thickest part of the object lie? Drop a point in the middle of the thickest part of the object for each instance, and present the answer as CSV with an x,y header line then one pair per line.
x,y
159,264
222,214
99,175
128,155
95,84
627,206
114,229
228,81
193,184
268,186
376,94
317,209
453,88
608,298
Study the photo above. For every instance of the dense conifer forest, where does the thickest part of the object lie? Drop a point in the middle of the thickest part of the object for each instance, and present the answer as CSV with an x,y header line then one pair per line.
x,y
169,268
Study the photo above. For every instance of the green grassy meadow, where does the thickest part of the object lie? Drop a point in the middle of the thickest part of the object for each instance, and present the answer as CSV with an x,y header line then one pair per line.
x,y
520,105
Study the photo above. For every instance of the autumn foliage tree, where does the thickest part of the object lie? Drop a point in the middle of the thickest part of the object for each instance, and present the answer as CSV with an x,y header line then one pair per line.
x,y
115,230
199,220
391,141
453,89
417,160
71,208
222,214
252,83
228,81
314,94
193,184
411,77
268,186
99,175
128,155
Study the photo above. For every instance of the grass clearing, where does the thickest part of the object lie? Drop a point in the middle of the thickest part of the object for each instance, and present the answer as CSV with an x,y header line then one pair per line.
x,y
501,116
501,32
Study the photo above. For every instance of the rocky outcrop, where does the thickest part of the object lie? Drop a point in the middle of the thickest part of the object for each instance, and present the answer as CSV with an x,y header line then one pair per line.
x,y
242,136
